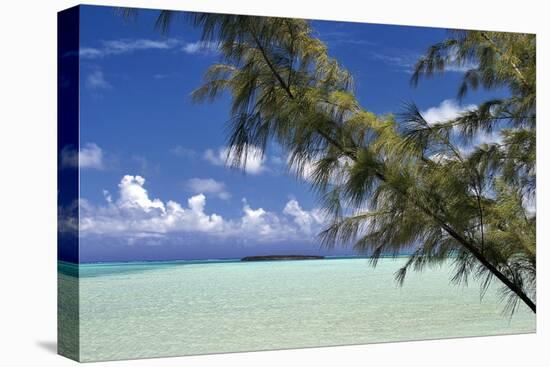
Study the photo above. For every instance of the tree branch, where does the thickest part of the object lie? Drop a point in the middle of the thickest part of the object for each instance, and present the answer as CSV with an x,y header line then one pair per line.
x,y
380,175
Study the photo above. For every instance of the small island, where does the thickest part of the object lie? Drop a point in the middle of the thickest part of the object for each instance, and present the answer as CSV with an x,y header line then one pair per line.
x,y
281,257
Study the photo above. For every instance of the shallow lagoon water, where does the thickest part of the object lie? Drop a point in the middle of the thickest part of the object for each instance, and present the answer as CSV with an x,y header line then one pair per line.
x,y
135,310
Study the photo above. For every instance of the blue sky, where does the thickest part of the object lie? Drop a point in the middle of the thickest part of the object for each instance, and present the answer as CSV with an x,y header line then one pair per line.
x,y
153,182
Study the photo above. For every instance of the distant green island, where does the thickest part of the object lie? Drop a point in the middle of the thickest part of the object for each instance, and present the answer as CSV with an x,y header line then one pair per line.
x,y
281,257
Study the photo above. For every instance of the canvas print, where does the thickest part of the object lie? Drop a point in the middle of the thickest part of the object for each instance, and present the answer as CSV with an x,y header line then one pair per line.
x,y
233,183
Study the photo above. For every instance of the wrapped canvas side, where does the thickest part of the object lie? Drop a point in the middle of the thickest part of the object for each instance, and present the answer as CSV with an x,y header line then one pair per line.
x,y
68,182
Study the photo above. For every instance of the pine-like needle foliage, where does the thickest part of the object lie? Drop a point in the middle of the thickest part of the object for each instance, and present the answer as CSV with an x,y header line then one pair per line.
x,y
391,185
506,168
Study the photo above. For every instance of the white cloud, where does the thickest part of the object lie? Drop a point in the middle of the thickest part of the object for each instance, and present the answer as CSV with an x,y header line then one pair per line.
x,y
107,196
134,196
442,157
306,220
530,204
90,53
208,186
402,60
253,164
200,47
482,137
90,156
306,170
447,110
135,215
125,46
69,157
492,137
405,60
459,67
259,222
96,80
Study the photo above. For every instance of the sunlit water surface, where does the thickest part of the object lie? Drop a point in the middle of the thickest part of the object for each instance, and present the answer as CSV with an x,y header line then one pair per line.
x,y
134,310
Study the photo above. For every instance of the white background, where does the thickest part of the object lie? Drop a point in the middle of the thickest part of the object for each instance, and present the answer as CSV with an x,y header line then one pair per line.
x,y
28,182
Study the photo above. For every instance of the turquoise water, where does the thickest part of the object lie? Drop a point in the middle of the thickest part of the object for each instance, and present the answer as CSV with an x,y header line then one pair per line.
x,y
152,309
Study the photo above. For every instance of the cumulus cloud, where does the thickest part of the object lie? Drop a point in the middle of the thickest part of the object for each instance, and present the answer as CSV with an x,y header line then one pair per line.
x,y
447,110
306,220
208,186
259,222
134,214
90,156
254,163
134,196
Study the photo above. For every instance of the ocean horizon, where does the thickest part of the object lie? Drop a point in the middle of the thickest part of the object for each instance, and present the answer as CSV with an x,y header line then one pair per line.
x,y
224,259
189,307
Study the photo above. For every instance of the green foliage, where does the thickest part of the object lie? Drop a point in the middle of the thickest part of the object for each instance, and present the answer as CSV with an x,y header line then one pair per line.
x,y
391,185
506,169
